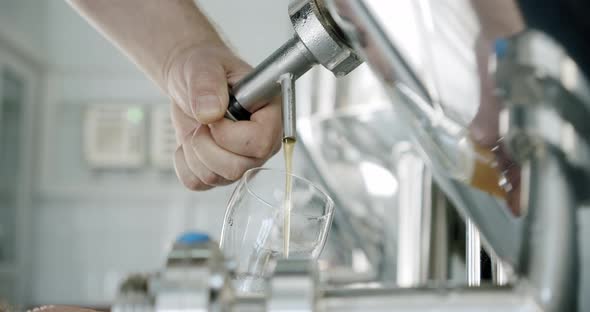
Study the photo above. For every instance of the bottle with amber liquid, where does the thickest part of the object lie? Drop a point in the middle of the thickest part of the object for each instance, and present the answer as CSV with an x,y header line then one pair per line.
x,y
451,149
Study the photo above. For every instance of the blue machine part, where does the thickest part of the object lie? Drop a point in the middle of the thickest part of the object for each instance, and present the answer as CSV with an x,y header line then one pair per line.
x,y
190,238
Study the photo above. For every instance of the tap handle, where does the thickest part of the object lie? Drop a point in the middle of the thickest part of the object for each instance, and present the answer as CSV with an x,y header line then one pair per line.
x,y
253,91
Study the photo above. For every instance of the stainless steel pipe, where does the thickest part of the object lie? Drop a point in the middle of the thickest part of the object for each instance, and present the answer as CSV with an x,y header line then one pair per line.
x,y
473,255
550,254
414,218
427,299
289,112
263,82
317,41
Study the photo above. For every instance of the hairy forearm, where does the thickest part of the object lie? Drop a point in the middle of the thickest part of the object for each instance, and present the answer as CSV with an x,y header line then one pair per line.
x,y
150,32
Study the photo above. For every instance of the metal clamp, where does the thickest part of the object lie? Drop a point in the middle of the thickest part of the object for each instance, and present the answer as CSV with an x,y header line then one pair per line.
x,y
134,296
195,277
293,286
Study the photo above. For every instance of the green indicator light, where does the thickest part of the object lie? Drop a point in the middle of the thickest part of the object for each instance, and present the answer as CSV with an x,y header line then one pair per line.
x,y
135,115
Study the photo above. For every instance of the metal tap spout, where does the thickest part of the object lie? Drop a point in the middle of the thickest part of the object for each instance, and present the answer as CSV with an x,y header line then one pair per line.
x,y
288,110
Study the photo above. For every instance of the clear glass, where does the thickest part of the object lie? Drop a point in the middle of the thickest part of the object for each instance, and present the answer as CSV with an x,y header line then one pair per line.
x,y
253,229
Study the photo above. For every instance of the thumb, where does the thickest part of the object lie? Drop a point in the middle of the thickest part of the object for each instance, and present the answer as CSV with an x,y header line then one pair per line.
x,y
208,92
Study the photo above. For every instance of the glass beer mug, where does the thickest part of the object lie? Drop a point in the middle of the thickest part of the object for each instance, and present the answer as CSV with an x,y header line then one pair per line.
x,y
254,226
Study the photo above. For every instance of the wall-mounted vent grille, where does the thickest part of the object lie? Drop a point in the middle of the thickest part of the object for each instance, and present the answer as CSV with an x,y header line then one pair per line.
x,y
114,136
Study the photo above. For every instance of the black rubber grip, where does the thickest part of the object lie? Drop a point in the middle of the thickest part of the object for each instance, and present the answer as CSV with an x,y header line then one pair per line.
x,y
236,110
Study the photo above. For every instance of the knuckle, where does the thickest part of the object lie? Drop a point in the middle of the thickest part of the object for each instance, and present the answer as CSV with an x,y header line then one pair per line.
x,y
191,182
184,174
207,76
210,178
235,172
205,86
196,185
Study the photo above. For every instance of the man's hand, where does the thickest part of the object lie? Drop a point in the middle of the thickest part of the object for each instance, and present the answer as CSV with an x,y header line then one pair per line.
x,y
177,47
212,150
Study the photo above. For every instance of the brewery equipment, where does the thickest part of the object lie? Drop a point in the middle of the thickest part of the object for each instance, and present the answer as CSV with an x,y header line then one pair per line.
x,y
463,95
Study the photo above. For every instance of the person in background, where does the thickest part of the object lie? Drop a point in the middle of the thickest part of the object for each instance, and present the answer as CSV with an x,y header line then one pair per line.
x,y
564,21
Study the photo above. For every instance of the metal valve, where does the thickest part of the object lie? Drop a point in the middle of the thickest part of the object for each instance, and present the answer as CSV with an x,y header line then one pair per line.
x,y
196,278
317,40
293,286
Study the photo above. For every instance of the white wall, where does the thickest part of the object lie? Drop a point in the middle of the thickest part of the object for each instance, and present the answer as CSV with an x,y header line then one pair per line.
x,y
254,28
94,228
23,23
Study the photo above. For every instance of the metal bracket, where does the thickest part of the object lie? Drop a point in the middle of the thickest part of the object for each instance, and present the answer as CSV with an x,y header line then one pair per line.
x,y
293,286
